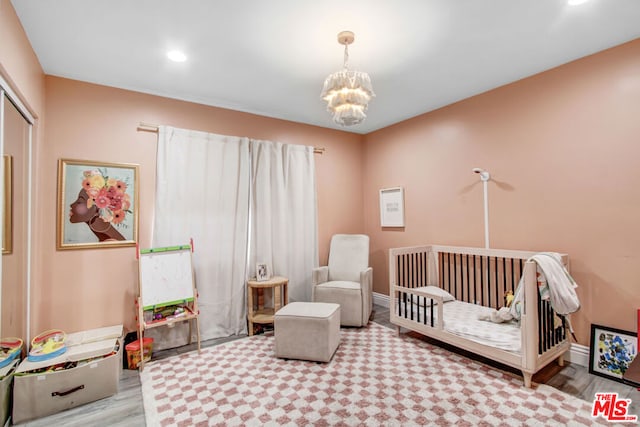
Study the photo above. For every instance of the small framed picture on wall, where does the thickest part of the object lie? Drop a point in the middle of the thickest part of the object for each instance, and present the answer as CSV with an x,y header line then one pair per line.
x,y
262,272
392,207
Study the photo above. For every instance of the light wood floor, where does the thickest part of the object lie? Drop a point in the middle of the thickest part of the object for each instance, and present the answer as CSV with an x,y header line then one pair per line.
x,y
126,408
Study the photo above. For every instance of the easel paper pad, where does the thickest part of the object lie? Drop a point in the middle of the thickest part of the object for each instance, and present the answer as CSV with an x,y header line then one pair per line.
x,y
166,277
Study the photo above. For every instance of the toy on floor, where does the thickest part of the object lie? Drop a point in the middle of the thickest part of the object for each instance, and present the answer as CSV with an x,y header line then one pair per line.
x,y
47,345
9,349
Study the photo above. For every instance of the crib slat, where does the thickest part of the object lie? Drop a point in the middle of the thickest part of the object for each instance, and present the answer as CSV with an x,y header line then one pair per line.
x,y
497,284
513,276
431,311
440,274
541,325
455,277
468,286
488,283
449,272
504,277
475,284
554,340
412,270
419,269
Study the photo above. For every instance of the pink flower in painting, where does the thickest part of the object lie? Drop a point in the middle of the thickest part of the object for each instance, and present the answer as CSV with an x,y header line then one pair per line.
x,y
92,193
102,200
118,216
122,186
116,202
108,195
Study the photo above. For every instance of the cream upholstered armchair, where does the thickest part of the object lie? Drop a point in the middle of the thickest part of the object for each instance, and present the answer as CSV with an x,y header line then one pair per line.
x,y
347,280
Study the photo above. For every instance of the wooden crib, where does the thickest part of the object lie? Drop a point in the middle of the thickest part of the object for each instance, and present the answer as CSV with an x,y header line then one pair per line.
x,y
480,277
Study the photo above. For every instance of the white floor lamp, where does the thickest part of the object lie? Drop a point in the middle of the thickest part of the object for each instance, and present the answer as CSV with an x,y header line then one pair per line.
x,y
485,177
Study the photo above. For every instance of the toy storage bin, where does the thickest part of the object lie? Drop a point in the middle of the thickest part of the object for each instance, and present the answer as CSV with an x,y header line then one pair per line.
x,y
133,352
6,386
88,371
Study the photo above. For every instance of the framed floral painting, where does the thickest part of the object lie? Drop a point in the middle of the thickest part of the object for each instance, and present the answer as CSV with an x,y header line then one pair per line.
x,y
97,204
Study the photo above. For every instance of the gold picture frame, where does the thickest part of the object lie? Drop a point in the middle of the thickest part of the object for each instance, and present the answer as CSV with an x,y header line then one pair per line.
x,y
97,204
7,205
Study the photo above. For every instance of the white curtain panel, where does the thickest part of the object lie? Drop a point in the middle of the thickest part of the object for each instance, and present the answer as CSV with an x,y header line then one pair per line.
x,y
284,214
202,192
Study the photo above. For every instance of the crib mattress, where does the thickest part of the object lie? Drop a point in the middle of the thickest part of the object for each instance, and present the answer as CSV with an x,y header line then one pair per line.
x,y
461,318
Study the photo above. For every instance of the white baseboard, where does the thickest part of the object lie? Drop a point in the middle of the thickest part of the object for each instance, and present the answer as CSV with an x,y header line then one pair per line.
x,y
381,299
578,354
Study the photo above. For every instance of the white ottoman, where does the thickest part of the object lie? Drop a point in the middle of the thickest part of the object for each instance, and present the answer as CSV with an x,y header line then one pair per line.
x,y
307,331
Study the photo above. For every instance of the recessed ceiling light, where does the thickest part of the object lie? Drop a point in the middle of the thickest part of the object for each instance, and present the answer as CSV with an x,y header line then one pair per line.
x,y
576,2
176,56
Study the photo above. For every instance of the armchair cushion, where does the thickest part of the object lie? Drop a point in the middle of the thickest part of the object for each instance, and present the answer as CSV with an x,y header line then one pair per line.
x,y
348,256
340,284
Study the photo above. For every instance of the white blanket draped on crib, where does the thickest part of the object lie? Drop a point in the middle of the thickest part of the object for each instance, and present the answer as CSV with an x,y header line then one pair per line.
x,y
554,283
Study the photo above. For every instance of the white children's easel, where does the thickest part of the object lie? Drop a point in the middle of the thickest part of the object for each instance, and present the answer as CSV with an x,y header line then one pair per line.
x,y
166,279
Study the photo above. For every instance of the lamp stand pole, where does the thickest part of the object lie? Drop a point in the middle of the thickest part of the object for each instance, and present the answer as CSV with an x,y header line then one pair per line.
x,y
486,212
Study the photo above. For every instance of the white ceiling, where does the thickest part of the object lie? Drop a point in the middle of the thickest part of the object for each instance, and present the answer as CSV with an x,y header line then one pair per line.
x,y
271,57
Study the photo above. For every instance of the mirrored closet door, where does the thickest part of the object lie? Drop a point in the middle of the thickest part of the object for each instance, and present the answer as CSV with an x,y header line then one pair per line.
x,y
15,142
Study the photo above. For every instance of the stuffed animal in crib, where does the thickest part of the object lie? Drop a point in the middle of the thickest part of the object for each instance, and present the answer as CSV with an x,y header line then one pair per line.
x,y
508,299
502,315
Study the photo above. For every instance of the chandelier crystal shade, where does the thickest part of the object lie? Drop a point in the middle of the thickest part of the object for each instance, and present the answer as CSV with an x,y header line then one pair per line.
x,y
347,92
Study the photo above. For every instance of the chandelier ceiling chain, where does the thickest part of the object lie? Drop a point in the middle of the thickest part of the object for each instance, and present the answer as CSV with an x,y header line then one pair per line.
x,y
345,65
346,92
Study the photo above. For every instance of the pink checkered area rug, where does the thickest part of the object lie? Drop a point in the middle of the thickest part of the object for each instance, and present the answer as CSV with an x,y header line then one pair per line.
x,y
376,378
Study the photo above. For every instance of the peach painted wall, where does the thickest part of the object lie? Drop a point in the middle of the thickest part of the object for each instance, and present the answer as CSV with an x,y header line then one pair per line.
x,y
18,63
79,289
562,148
21,69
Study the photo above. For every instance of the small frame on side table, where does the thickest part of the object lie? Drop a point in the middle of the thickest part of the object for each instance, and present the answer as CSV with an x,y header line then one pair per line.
x,y
256,312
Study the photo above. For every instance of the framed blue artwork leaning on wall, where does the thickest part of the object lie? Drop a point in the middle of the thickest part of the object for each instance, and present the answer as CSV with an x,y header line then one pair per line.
x,y
97,204
611,351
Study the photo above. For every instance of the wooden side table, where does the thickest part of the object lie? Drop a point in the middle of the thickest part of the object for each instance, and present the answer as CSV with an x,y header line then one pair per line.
x,y
256,312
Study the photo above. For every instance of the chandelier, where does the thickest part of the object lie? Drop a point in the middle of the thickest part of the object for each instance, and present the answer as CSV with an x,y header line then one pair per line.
x,y
347,92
